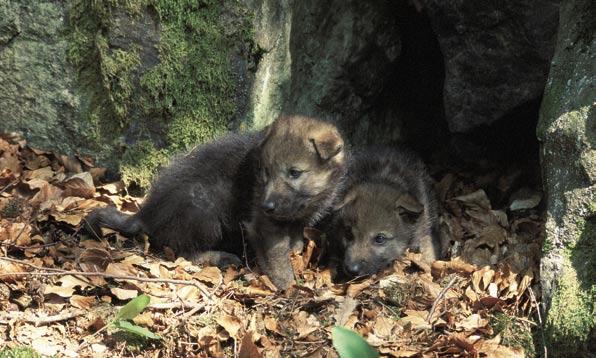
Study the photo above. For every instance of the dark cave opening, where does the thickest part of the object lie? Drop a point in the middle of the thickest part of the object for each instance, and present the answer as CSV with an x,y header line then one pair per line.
x,y
417,93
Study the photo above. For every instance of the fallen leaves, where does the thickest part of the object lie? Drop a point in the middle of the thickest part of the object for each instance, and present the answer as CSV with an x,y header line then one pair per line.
x,y
412,309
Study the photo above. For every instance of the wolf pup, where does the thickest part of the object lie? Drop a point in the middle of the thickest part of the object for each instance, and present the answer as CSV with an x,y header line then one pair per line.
x,y
277,180
302,168
388,205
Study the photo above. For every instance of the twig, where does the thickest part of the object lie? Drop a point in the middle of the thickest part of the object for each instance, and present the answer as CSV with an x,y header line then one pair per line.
x,y
9,185
39,321
534,302
171,305
244,246
85,342
440,297
36,246
21,262
58,272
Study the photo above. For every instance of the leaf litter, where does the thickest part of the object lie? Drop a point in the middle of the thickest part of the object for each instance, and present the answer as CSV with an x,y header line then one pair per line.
x,y
58,286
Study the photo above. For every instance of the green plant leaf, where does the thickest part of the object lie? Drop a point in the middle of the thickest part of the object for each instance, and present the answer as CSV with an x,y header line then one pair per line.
x,y
133,308
350,344
133,328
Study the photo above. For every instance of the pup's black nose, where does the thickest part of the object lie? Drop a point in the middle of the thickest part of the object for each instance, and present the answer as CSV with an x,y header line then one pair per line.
x,y
353,268
268,206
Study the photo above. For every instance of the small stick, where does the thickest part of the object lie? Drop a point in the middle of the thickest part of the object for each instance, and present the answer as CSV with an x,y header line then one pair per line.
x,y
534,302
58,272
39,321
9,185
439,298
244,246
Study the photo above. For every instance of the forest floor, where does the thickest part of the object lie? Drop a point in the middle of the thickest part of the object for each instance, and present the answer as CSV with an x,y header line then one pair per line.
x,y
60,288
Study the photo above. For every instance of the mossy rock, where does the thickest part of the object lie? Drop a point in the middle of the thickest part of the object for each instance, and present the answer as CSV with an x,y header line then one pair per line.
x,y
566,129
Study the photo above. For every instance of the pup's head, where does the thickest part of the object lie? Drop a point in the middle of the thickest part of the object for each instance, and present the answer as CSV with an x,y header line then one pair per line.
x,y
376,224
302,164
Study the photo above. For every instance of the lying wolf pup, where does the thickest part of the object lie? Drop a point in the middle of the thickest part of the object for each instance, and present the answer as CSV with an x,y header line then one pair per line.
x,y
278,180
388,205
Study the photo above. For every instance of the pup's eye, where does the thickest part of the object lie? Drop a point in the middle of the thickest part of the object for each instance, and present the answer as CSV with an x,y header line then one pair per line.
x,y
380,239
294,173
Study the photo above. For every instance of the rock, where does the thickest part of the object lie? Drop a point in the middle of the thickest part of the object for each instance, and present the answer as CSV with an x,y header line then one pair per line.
x,y
496,56
524,199
124,82
38,96
343,54
567,131
272,25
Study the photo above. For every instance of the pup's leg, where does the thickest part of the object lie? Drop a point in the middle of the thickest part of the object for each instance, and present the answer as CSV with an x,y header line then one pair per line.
x,y
273,245
220,259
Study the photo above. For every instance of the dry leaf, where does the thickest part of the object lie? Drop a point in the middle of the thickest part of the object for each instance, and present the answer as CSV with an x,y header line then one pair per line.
x,y
210,275
123,294
80,185
472,323
355,289
82,302
231,324
344,310
305,324
248,349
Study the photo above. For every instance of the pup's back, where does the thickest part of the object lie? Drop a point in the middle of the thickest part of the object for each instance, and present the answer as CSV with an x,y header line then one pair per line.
x,y
388,205
197,202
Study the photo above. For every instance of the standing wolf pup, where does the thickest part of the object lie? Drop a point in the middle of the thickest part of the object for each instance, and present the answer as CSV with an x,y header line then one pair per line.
x,y
278,180
388,205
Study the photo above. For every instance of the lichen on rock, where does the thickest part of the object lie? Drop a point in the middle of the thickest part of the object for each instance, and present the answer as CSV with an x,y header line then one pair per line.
x,y
568,135
159,76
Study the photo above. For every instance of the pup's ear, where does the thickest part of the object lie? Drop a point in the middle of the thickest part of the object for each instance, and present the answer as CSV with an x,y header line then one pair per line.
x,y
348,198
265,134
327,143
407,205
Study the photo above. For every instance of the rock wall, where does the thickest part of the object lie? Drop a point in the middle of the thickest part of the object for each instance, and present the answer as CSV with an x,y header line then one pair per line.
x,y
126,82
567,131
131,82
38,94
496,56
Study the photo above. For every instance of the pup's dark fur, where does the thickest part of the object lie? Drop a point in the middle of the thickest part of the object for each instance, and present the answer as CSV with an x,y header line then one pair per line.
x,y
197,204
388,205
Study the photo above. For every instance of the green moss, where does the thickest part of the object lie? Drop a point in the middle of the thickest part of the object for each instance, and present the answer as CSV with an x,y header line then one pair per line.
x,y
11,210
193,80
105,75
184,100
144,161
571,316
514,333
19,352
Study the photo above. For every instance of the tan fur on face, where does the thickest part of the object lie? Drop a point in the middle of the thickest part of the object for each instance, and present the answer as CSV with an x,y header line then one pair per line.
x,y
373,211
387,207
310,146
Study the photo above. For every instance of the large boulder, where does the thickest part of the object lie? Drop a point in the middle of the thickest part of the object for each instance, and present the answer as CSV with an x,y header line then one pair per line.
x,y
567,131
496,56
128,83
38,95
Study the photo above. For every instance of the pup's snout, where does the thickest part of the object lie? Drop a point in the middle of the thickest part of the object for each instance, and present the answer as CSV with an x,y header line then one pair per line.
x,y
354,268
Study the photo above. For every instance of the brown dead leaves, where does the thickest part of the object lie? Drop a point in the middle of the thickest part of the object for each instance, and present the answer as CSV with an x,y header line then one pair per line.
x,y
406,311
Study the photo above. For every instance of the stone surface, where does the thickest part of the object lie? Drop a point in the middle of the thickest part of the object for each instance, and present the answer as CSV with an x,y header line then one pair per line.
x,y
343,54
272,23
38,95
567,131
496,56
128,83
